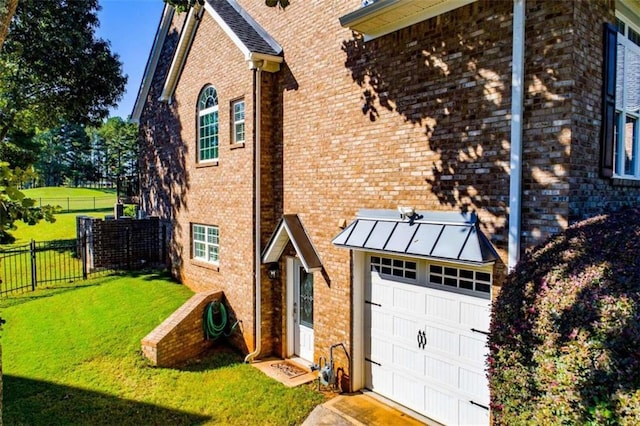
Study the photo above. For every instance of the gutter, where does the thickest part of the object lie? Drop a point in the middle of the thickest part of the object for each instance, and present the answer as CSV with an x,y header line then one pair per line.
x,y
257,85
515,163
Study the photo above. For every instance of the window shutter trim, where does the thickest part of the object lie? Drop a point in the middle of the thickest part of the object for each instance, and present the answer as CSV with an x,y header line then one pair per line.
x,y
607,141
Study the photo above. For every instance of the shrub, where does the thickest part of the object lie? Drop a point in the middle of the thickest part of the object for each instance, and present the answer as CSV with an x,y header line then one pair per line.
x,y
565,329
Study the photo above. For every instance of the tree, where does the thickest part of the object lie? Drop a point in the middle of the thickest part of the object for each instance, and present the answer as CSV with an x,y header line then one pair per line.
x,y
7,10
184,5
116,146
15,206
53,69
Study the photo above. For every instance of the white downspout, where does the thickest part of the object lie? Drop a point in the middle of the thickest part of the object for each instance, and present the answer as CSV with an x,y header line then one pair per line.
x,y
515,164
257,66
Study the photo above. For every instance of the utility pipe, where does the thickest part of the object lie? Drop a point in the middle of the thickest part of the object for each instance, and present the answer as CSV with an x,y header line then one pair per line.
x,y
257,84
515,163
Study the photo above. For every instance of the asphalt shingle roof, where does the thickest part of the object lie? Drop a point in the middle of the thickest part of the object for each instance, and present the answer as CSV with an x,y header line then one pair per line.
x,y
244,28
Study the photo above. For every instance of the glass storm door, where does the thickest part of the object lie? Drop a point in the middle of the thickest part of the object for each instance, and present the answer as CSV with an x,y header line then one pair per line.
x,y
303,314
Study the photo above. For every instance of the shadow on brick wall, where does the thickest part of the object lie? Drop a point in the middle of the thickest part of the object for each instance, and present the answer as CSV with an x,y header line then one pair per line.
x,y
164,181
452,77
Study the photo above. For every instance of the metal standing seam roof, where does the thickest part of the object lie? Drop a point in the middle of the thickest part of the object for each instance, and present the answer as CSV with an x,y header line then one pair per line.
x,y
245,28
291,229
430,235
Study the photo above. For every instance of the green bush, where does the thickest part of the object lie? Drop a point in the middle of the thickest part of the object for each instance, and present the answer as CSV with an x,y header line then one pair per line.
x,y
565,329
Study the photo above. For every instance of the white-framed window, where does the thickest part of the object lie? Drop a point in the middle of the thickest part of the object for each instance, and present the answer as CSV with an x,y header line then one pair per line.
x,y
208,125
627,100
237,110
460,278
394,267
206,243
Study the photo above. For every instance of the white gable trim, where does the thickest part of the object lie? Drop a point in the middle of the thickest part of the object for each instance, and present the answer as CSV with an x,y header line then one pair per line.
x,y
186,38
152,62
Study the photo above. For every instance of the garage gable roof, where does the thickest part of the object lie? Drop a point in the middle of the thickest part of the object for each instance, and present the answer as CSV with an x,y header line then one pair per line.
x,y
291,229
432,235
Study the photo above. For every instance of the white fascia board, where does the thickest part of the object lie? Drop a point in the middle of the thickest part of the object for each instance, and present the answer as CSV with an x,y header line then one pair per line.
x,y
152,62
376,9
186,38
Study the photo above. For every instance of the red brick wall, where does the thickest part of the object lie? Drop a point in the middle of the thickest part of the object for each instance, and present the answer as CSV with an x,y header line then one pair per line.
x,y
180,337
418,117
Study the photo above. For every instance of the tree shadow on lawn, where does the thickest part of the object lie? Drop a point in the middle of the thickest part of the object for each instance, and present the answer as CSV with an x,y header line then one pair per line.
x,y
35,402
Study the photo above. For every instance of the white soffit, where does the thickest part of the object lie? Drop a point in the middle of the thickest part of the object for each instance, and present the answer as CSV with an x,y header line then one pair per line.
x,y
386,16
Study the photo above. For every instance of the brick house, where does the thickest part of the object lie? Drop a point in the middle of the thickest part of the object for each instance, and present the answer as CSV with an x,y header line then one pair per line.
x,y
366,174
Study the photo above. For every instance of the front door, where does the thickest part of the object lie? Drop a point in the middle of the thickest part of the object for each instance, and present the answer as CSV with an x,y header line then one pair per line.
x,y
302,312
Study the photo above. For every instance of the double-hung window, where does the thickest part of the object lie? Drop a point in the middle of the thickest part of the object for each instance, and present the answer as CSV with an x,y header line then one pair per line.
x,y
208,125
237,109
621,96
206,243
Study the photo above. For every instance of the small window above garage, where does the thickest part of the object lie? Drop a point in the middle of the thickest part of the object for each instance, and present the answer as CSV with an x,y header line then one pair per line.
x,y
379,17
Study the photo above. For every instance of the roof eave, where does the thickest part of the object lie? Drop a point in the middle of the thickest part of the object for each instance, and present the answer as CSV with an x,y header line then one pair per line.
x,y
152,62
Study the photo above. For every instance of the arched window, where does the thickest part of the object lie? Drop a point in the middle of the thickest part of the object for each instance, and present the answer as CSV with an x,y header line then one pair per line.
x,y
208,125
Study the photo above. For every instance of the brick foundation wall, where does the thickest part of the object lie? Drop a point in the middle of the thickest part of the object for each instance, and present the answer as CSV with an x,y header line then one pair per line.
x,y
180,337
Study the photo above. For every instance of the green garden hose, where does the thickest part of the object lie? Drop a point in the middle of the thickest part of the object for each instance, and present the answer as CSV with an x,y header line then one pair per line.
x,y
212,329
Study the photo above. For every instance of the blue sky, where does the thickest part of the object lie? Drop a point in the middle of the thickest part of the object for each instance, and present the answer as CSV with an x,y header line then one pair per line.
x,y
130,26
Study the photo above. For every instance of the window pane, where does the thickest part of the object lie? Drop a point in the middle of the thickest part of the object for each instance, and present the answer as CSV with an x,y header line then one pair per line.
x,y
436,279
411,275
630,135
199,250
632,81
451,271
483,276
375,259
435,269
453,282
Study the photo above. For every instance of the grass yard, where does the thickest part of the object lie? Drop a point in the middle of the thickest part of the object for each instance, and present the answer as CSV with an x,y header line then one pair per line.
x,y
75,199
74,358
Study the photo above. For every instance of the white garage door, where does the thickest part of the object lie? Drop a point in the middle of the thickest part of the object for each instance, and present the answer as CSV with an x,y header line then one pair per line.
x,y
425,348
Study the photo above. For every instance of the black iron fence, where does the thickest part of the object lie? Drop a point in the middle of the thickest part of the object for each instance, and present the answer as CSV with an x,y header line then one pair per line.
x,y
104,246
40,263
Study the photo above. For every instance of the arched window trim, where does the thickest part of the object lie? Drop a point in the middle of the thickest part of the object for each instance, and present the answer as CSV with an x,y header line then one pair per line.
x,y
208,125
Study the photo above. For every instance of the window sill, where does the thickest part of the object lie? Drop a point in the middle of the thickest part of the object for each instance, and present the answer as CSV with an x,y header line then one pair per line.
x,y
207,164
237,145
621,181
203,264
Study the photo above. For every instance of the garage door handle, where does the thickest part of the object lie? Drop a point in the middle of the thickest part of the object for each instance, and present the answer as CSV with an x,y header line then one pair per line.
x,y
486,333
369,302
422,339
479,405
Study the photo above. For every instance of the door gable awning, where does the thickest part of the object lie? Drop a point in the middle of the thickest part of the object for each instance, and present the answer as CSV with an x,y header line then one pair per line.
x,y
291,229
445,236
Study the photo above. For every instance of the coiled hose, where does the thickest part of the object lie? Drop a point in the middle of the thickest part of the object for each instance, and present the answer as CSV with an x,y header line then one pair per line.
x,y
212,329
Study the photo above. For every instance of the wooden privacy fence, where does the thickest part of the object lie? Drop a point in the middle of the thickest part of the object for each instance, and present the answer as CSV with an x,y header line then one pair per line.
x,y
102,247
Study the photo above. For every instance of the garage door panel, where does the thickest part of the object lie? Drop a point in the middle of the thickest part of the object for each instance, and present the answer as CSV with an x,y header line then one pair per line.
x,y
473,348
380,380
474,315
440,405
474,384
441,371
409,389
441,308
381,321
442,340
405,330
409,301
381,351
470,414
408,360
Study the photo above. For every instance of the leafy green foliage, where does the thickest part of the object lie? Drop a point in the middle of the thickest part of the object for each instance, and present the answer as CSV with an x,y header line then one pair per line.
x,y
184,5
15,206
116,148
65,156
565,333
53,68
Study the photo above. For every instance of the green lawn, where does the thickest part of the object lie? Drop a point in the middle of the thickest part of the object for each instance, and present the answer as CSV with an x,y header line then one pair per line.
x,y
73,199
74,358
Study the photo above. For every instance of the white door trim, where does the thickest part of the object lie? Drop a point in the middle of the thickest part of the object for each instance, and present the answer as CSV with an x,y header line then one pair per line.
x,y
290,313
